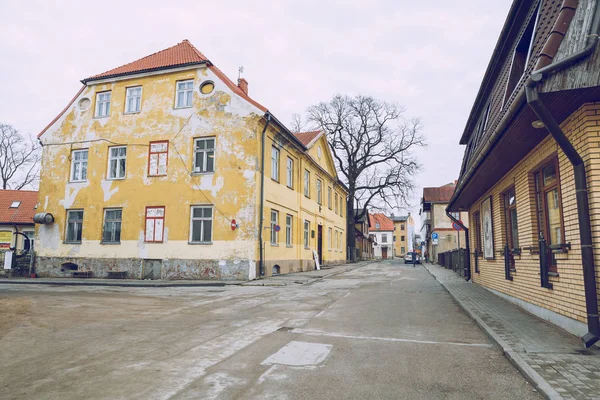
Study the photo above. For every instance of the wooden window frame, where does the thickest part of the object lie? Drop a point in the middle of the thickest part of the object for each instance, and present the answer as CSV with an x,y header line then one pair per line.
x,y
80,221
146,218
307,183
478,240
158,153
202,220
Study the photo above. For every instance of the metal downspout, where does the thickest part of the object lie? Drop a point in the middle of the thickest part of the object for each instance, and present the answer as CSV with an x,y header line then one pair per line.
x,y
262,196
581,190
467,245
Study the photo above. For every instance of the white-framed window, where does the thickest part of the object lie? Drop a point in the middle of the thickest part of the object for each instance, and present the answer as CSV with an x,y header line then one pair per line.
x,y
455,215
377,225
289,176
336,240
341,240
329,238
158,157
79,163
319,191
274,223
117,157
306,183
204,155
275,163
306,234
383,238
133,99
74,226
289,220
336,203
31,236
329,197
102,104
155,224
184,93
201,224
341,206
111,230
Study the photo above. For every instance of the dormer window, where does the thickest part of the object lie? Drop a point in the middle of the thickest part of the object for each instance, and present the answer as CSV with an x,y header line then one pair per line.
x,y
521,56
377,225
15,204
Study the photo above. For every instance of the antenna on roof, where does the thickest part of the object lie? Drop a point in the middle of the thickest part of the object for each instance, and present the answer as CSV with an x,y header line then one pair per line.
x,y
240,71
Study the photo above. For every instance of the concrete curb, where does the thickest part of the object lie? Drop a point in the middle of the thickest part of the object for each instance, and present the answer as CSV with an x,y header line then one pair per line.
x,y
117,283
525,369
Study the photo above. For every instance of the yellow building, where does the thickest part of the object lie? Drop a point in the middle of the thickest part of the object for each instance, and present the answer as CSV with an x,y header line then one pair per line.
x,y
153,170
404,230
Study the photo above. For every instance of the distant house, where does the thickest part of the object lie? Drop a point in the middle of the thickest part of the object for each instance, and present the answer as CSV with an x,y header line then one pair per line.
x,y
404,230
364,241
436,222
383,229
17,208
530,177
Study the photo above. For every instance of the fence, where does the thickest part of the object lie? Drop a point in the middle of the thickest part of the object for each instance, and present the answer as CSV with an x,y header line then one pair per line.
x,y
454,260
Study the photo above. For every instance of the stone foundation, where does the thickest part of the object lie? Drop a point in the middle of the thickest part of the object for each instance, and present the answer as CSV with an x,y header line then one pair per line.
x,y
291,266
170,269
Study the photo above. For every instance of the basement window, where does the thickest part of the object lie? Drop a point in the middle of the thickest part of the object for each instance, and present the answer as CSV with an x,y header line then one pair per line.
x,y
521,56
69,266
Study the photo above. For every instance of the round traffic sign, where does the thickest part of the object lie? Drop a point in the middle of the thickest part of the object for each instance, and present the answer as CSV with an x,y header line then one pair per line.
x,y
456,226
233,225
277,228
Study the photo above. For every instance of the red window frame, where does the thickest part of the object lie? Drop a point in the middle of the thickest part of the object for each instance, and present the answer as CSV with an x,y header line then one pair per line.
x,y
146,219
158,153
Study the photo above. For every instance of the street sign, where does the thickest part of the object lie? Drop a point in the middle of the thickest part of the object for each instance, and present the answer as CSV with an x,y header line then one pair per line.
x,y
277,228
434,236
456,226
422,243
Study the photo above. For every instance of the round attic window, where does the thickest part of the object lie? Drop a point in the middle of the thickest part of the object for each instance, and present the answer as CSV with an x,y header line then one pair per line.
x,y
84,104
207,87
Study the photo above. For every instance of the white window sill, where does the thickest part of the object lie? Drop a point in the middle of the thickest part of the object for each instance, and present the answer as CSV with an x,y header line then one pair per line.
x,y
202,173
115,179
68,242
289,246
109,243
131,112
78,181
156,176
182,107
274,245
200,243
101,116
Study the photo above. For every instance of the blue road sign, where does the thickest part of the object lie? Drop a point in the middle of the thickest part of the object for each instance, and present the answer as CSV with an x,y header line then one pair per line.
x,y
434,235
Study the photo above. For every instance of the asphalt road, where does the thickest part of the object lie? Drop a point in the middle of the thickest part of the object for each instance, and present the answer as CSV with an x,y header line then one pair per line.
x,y
383,331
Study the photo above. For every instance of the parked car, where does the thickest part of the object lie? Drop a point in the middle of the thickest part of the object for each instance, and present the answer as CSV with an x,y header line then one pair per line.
x,y
408,258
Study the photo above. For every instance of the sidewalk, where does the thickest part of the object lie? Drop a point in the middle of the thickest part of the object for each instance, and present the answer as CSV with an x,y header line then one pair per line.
x,y
302,278
553,360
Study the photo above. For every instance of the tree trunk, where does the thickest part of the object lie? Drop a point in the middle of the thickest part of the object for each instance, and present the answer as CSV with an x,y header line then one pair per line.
x,y
350,237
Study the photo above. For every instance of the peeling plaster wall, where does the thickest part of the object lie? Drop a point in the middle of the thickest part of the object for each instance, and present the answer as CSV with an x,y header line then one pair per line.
x,y
232,187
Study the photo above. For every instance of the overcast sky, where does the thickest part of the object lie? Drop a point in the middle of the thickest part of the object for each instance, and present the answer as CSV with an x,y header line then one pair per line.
x,y
428,56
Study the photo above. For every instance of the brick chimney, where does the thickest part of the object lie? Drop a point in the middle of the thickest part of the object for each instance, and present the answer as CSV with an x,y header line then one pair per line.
x,y
243,84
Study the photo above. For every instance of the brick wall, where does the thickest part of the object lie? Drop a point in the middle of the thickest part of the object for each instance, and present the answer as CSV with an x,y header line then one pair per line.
x,y
567,296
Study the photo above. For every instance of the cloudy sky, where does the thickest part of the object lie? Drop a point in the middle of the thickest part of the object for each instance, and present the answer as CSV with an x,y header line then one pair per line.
x,y
428,56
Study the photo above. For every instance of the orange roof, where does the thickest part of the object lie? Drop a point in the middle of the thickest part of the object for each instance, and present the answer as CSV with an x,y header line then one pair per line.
x,y
441,194
307,137
181,54
385,224
23,212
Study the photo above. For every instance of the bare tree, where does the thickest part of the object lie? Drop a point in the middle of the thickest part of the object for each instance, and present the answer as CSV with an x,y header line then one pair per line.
x,y
19,159
298,124
372,145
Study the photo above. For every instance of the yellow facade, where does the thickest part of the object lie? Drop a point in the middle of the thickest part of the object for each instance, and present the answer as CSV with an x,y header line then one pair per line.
x,y
232,191
403,228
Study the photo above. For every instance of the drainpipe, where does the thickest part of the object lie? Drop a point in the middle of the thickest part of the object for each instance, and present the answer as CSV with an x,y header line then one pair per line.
x,y
467,245
262,195
581,190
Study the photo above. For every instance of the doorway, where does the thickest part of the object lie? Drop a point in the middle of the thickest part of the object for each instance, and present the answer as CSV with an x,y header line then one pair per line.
x,y
384,253
320,243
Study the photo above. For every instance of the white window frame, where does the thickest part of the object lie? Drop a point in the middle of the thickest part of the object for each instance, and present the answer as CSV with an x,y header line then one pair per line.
x,y
31,236
202,220
114,222
78,225
81,162
329,238
290,173
306,234
103,100
384,238
186,93
307,183
204,168
329,191
119,173
274,222
133,99
319,191
289,224
275,163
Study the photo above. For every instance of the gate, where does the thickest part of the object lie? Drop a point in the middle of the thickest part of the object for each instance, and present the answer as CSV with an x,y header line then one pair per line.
x,y
152,269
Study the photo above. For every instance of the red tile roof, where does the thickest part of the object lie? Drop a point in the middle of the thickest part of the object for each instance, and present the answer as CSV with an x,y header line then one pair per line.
x,y
23,214
441,194
385,224
307,137
181,54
